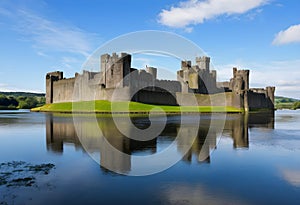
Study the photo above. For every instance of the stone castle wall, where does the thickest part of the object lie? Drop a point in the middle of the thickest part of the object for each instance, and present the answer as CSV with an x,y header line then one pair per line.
x,y
259,101
219,99
155,97
117,81
169,85
63,90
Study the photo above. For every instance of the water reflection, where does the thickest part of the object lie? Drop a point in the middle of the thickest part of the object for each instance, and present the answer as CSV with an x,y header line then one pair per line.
x,y
60,130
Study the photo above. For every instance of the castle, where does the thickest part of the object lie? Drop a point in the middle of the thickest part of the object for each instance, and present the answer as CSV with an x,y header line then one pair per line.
x,y
131,84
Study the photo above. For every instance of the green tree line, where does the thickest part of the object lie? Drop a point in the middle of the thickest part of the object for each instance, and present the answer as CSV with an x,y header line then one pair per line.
x,y
286,103
20,102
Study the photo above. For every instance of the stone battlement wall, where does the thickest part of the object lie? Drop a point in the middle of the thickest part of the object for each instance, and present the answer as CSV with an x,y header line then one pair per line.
x,y
117,76
259,101
219,99
169,85
155,97
63,90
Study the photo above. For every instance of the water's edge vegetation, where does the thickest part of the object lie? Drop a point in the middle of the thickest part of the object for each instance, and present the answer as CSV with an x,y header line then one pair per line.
x,y
286,103
21,100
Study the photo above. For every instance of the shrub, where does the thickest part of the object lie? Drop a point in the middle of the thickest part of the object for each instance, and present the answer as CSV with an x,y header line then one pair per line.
x,y
296,105
27,102
4,100
8,101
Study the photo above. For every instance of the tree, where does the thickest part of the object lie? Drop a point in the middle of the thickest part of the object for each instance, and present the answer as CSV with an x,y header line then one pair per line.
x,y
41,102
31,102
4,101
27,102
21,98
8,102
13,102
296,105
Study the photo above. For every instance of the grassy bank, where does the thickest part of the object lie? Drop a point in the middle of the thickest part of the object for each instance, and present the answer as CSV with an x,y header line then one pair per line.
x,y
286,103
102,106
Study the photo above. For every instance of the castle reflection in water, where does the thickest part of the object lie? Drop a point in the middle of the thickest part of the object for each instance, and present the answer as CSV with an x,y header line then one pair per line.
x,y
60,130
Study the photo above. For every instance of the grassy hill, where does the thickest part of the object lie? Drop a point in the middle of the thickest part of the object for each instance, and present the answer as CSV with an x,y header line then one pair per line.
x,y
280,99
20,100
24,94
286,103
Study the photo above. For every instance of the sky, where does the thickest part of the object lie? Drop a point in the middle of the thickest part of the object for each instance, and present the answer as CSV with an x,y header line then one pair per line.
x,y
42,36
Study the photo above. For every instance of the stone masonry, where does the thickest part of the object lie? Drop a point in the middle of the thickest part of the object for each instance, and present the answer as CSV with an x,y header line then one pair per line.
x,y
142,85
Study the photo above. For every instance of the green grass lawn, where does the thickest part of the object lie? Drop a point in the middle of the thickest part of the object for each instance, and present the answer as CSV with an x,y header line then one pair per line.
x,y
102,106
285,105
288,105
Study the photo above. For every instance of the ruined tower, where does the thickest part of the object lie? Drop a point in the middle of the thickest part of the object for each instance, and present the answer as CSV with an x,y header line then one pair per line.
x,y
240,80
197,78
50,78
203,62
114,68
270,94
152,71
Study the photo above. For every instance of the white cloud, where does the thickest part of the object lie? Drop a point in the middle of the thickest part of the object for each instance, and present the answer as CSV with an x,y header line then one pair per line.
x,y
290,35
197,194
49,35
196,12
57,41
11,88
3,85
292,176
141,62
68,62
40,53
188,29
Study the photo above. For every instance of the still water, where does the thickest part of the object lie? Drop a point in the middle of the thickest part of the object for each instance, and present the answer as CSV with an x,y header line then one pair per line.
x,y
50,159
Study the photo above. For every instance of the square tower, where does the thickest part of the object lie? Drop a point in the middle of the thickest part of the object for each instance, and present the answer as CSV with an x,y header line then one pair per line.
x,y
115,68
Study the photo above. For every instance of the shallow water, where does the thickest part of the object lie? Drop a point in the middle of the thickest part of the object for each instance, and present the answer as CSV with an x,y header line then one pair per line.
x,y
252,160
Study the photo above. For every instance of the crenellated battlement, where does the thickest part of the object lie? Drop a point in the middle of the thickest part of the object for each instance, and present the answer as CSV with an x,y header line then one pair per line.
x,y
142,85
203,62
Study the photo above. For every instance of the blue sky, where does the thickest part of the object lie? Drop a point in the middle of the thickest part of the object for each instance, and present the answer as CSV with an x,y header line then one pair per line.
x,y
42,36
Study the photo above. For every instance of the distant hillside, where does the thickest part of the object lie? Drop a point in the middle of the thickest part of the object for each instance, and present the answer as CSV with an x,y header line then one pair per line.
x,y
21,100
280,99
286,103
24,94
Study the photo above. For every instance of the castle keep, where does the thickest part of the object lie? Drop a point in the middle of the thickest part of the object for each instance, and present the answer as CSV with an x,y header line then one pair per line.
x,y
131,84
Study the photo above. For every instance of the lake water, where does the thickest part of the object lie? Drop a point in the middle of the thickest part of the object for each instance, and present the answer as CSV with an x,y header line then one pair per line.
x,y
58,159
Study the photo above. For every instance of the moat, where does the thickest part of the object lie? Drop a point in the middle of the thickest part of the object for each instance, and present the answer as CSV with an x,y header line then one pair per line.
x,y
255,160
